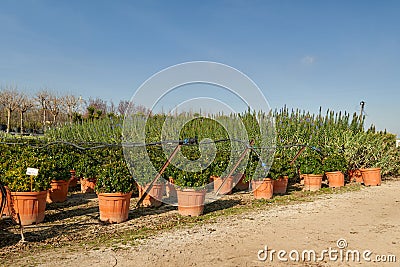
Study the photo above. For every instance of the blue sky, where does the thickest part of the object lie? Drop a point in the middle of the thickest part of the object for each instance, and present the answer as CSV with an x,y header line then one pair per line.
x,y
304,54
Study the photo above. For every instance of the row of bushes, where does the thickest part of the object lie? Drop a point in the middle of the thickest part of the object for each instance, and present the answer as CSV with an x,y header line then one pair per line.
x,y
332,140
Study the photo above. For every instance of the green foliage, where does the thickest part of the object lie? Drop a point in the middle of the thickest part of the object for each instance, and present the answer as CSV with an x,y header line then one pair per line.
x,y
192,179
107,130
311,163
337,131
335,162
57,162
114,177
87,165
281,166
14,174
329,132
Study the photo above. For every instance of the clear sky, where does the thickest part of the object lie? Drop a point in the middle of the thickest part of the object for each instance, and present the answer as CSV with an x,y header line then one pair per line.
x,y
304,54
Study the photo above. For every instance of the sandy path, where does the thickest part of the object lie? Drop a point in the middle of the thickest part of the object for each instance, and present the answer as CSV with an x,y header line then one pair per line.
x,y
368,220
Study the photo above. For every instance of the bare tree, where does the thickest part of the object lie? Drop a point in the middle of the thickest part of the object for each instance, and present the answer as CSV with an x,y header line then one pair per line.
x,y
99,105
71,104
25,104
111,108
42,97
9,98
54,105
123,106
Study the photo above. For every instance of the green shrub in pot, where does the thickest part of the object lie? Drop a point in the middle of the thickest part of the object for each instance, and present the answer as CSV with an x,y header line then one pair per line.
x,y
335,162
114,177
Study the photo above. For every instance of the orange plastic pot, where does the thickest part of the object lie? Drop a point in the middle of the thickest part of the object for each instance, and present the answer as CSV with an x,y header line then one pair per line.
x,y
191,202
154,196
263,189
312,182
88,184
30,206
335,179
355,175
280,185
226,188
371,176
114,207
58,191
241,185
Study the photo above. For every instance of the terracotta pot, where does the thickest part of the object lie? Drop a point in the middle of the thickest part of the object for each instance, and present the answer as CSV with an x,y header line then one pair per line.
x,y
7,208
355,175
88,184
335,179
371,176
58,191
114,207
263,189
73,181
226,189
30,206
280,185
191,202
312,182
241,185
170,190
154,197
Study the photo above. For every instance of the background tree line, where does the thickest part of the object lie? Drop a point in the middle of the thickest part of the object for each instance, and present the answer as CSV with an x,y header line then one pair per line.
x,y
22,112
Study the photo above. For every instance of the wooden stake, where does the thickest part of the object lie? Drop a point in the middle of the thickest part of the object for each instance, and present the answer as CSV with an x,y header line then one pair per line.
x,y
235,167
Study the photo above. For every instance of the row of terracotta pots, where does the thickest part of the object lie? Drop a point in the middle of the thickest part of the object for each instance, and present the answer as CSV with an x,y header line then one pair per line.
x,y
114,207
370,177
29,207
190,201
266,188
227,187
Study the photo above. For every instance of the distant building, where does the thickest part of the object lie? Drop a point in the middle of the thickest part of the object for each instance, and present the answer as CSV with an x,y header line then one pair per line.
x,y
397,142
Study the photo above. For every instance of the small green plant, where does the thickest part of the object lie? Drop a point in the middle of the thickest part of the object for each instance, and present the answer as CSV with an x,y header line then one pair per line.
x,y
311,163
17,180
281,167
335,162
114,177
192,179
87,166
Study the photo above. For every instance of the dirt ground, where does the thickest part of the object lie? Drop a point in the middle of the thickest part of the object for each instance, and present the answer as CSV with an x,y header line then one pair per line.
x,y
368,219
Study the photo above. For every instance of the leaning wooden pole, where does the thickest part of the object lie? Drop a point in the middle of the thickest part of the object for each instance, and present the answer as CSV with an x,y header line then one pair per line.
x,y
146,192
236,165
